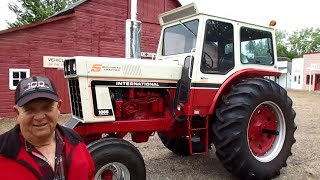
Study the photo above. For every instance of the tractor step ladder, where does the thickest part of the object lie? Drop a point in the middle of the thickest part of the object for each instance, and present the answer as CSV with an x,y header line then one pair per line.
x,y
198,130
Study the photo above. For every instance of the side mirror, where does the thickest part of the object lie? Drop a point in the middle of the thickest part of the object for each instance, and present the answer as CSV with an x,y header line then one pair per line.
x,y
184,84
188,66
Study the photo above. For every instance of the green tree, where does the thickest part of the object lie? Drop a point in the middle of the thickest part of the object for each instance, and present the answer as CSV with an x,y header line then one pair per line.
x,y
30,11
260,48
282,50
281,39
305,40
284,45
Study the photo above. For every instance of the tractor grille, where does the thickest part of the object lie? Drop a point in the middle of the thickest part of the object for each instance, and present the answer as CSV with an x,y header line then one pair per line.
x,y
75,97
70,67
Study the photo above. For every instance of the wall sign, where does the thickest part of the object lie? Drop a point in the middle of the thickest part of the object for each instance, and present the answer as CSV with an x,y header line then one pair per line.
x,y
148,54
53,61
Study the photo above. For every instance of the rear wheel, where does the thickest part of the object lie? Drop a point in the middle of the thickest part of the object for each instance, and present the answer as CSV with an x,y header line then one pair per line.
x,y
254,130
117,159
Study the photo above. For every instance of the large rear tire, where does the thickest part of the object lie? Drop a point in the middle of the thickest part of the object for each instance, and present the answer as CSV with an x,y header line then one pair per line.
x,y
117,159
254,130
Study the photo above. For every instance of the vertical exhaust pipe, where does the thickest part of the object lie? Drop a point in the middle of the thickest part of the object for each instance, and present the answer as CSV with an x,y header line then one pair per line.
x,y
133,33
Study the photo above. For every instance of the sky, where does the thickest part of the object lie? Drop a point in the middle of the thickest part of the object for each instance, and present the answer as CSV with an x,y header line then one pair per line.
x,y
5,14
289,15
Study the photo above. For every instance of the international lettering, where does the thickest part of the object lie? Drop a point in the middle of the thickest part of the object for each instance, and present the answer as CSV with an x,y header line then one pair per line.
x,y
126,83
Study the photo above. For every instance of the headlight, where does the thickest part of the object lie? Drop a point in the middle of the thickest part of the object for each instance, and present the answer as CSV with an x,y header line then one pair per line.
x,y
70,67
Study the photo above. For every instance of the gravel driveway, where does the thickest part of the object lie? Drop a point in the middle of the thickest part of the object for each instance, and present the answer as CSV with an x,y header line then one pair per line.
x,y
304,164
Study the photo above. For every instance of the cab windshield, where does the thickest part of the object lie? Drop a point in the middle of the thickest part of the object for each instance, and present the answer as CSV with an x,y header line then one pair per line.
x,y
180,38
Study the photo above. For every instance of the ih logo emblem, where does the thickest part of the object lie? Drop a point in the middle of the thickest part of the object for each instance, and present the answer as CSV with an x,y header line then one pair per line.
x,y
96,67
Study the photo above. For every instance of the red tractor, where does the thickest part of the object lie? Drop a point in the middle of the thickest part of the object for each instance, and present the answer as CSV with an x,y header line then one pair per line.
x,y
207,85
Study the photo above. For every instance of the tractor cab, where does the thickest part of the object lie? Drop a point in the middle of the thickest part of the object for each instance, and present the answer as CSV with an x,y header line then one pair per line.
x,y
219,46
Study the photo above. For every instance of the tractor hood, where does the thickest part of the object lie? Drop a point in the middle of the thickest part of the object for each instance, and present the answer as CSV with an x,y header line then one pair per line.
x,y
125,68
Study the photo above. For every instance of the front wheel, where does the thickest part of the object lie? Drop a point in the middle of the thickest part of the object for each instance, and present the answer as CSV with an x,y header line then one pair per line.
x,y
254,130
117,159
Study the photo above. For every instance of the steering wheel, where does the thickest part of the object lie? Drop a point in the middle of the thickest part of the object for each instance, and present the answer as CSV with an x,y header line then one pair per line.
x,y
205,56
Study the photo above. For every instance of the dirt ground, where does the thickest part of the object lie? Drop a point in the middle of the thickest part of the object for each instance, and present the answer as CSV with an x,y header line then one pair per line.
x,y
161,164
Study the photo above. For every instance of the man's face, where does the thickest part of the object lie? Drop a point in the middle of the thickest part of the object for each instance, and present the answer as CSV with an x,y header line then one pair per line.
x,y
38,118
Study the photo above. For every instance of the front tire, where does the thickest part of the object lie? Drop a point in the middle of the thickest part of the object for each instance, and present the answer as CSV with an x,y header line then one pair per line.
x,y
254,130
117,159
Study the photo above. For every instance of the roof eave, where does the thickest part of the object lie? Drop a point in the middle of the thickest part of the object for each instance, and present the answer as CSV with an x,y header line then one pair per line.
x,y
27,26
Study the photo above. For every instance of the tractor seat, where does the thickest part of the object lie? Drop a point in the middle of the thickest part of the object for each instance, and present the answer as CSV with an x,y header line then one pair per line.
x,y
226,62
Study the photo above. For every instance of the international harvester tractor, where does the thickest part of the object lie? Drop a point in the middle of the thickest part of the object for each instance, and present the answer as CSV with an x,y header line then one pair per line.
x,y
209,84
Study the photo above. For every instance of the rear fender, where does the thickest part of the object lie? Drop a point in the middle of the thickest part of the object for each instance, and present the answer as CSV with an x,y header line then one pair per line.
x,y
237,77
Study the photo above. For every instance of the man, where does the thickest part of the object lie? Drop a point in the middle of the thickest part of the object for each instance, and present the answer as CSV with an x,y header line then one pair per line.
x,y
37,147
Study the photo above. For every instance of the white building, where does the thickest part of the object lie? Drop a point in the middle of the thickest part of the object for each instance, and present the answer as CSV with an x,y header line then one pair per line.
x,y
306,72
284,80
297,73
284,67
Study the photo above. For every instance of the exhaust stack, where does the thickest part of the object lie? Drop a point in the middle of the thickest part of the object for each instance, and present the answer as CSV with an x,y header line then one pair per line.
x,y
133,33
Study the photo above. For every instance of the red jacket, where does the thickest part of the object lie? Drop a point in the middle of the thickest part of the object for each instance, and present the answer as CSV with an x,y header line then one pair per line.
x,y
16,163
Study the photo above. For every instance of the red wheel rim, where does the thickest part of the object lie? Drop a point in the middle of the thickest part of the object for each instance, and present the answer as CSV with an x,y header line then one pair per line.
x,y
113,170
262,130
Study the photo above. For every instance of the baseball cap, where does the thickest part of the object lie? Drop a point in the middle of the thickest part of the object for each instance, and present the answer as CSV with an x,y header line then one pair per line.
x,y
35,87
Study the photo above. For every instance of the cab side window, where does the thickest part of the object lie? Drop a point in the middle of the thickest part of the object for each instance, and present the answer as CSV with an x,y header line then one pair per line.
x,y
217,53
256,46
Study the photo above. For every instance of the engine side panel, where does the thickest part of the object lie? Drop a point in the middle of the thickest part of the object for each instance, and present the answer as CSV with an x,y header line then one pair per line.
x,y
106,99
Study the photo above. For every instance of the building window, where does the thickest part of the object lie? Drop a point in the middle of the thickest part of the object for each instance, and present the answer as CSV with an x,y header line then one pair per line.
x,y
15,75
299,79
295,79
308,79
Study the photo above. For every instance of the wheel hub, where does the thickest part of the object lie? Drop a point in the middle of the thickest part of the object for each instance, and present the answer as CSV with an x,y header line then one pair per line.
x,y
262,122
113,171
107,175
266,131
